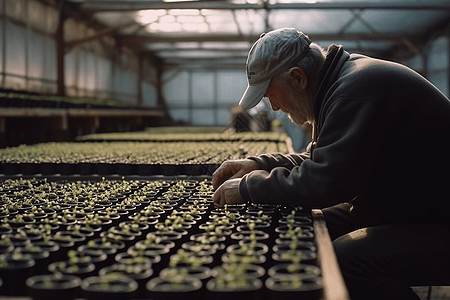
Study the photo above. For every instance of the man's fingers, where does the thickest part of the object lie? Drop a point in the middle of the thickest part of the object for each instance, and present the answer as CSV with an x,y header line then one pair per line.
x,y
232,169
227,193
238,174
217,197
218,177
221,174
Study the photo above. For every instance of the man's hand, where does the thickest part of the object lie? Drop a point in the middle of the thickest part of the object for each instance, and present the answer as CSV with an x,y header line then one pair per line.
x,y
232,169
228,193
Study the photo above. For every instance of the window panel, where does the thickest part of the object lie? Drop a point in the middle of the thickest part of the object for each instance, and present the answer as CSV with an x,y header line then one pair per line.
x,y
176,89
15,49
203,117
202,88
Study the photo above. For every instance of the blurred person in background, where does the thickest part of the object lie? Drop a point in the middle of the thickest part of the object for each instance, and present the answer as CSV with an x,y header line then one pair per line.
x,y
299,135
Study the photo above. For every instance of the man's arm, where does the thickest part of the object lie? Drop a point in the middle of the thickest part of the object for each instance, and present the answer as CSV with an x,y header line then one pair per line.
x,y
231,169
273,160
226,179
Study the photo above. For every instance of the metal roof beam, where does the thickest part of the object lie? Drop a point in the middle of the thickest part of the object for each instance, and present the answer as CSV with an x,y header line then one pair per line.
x,y
199,48
175,38
133,5
70,44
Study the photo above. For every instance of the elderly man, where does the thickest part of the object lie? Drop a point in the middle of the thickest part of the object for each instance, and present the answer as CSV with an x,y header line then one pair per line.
x,y
377,165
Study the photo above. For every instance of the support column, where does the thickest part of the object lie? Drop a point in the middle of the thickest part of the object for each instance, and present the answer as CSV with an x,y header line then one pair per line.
x,y
190,100
27,48
3,132
160,101
140,61
216,98
3,44
159,89
424,59
60,47
448,63
2,125
114,59
419,52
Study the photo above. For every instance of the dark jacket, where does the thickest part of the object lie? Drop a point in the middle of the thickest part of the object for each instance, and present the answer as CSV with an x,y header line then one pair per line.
x,y
382,141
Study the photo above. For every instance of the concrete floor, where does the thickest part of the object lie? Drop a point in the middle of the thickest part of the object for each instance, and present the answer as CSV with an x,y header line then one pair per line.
x,y
437,292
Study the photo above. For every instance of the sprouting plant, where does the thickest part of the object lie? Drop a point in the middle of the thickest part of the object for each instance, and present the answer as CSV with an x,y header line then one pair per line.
x,y
205,188
126,228
232,276
206,239
152,239
139,250
108,279
73,258
160,226
218,230
185,257
6,241
76,228
47,281
32,248
3,263
91,244
292,255
262,216
294,267
133,269
241,259
295,233
231,215
103,243
114,237
20,234
176,276
292,282
46,237
251,225
291,219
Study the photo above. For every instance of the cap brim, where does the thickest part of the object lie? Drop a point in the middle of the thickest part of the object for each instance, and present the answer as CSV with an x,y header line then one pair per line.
x,y
253,94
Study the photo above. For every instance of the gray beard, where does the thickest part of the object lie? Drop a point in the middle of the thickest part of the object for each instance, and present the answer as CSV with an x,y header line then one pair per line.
x,y
300,112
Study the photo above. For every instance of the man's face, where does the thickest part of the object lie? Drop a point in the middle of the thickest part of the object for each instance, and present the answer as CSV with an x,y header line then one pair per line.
x,y
287,99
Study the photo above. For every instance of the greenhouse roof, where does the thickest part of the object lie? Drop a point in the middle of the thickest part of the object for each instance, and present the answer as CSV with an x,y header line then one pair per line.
x,y
203,34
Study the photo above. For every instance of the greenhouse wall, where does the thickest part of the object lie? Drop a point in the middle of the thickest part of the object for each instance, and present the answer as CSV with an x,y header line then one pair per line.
x,y
203,97
438,63
99,69
95,69
27,50
435,66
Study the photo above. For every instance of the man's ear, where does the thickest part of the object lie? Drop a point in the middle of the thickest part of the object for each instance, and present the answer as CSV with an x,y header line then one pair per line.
x,y
299,78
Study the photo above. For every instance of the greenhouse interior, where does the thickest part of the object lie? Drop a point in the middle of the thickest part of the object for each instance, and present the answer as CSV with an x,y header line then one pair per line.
x,y
129,141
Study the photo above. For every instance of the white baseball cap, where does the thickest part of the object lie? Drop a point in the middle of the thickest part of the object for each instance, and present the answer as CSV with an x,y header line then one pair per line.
x,y
272,54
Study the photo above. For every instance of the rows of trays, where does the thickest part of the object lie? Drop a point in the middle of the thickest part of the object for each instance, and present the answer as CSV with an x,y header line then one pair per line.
x,y
150,239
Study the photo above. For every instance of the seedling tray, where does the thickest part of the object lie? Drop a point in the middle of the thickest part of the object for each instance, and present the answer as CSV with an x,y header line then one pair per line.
x,y
193,235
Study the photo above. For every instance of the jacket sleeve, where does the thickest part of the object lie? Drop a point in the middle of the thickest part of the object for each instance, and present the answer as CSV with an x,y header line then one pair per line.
x,y
338,171
269,161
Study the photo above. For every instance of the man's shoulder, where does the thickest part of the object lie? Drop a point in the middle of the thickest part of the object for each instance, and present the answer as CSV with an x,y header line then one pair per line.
x,y
361,64
374,72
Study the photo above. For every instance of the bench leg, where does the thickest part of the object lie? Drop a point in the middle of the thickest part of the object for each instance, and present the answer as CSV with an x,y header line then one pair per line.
x,y
429,292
